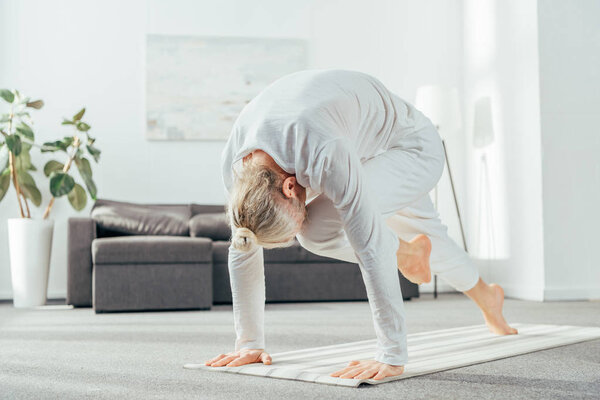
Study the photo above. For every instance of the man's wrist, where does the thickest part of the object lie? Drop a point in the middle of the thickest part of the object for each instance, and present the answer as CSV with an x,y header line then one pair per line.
x,y
253,345
394,360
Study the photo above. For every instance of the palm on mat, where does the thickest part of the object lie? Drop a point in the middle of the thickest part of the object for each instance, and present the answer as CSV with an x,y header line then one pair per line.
x,y
368,369
356,369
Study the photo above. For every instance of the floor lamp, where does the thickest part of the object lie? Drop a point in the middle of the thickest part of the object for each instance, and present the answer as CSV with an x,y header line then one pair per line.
x,y
483,136
441,106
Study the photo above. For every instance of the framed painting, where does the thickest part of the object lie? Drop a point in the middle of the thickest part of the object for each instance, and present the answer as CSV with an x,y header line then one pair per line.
x,y
196,86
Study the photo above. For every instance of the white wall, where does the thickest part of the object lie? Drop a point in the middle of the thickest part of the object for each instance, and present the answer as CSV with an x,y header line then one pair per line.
x,y
569,40
501,62
74,53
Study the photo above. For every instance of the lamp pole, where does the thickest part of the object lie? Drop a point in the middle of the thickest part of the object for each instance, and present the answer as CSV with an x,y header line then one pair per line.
x,y
462,230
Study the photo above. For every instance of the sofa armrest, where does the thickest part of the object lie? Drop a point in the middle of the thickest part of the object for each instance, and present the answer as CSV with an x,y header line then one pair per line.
x,y
81,233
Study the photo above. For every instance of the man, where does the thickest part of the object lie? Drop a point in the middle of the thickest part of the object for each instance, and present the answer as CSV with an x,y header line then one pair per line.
x,y
336,160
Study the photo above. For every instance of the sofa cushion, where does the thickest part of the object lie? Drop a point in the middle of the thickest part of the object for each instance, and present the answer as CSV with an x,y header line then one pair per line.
x,y
141,219
206,208
283,255
151,249
210,225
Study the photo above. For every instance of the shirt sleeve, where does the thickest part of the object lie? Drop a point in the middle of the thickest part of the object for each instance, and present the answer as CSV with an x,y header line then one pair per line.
x,y
247,279
339,174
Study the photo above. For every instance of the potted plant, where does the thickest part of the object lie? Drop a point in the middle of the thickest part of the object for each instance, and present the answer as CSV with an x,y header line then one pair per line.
x,y
30,239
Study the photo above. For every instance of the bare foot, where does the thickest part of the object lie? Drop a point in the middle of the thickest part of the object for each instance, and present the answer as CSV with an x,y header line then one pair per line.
x,y
413,259
490,299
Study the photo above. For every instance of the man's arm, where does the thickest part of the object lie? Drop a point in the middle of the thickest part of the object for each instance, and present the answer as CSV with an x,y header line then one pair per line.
x,y
340,176
247,279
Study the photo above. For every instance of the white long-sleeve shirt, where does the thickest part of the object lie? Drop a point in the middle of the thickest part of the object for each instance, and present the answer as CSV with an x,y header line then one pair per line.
x,y
320,125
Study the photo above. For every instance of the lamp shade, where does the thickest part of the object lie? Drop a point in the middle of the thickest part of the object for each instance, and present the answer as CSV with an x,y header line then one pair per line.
x,y
483,124
441,106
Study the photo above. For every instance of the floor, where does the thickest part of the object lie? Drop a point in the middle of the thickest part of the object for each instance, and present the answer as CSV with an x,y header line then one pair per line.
x,y
56,352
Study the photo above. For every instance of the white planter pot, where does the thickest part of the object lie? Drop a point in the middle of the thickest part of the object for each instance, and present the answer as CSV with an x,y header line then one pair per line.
x,y
30,246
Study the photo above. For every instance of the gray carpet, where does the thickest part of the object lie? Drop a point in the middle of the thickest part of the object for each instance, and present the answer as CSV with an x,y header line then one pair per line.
x,y
61,353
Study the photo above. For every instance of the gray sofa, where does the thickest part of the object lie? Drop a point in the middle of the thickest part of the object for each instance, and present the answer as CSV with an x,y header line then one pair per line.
x,y
135,257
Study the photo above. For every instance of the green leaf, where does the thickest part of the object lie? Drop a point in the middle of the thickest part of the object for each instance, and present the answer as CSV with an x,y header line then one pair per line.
x,y
83,127
91,187
37,104
94,152
14,144
61,184
23,160
25,130
67,141
91,141
25,178
52,166
7,95
85,170
78,116
4,118
50,146
67,122
84,166
3,157
25,146
77,197
54,146
4,183
29,187
32,192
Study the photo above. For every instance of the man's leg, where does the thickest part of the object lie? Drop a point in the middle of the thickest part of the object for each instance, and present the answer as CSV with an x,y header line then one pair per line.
x,y
450,262
401,179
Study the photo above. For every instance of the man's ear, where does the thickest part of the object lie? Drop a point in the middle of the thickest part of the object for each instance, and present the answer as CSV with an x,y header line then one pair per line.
x,y
289,185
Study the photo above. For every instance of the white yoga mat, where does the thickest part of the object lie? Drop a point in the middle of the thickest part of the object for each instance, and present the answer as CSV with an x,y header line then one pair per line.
x,y
428,352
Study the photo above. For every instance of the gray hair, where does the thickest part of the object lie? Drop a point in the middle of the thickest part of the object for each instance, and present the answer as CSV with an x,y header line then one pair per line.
x,y
258,211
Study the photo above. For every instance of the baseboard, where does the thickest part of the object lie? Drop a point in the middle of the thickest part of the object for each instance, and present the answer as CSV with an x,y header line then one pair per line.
x,y
576,293
539,293
523,292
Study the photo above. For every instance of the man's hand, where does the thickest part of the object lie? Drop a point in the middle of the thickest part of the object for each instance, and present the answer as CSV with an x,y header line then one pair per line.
x,y
241,357
367,369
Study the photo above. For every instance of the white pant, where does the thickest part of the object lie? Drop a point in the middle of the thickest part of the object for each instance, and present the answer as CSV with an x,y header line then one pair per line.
x,y
400,180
